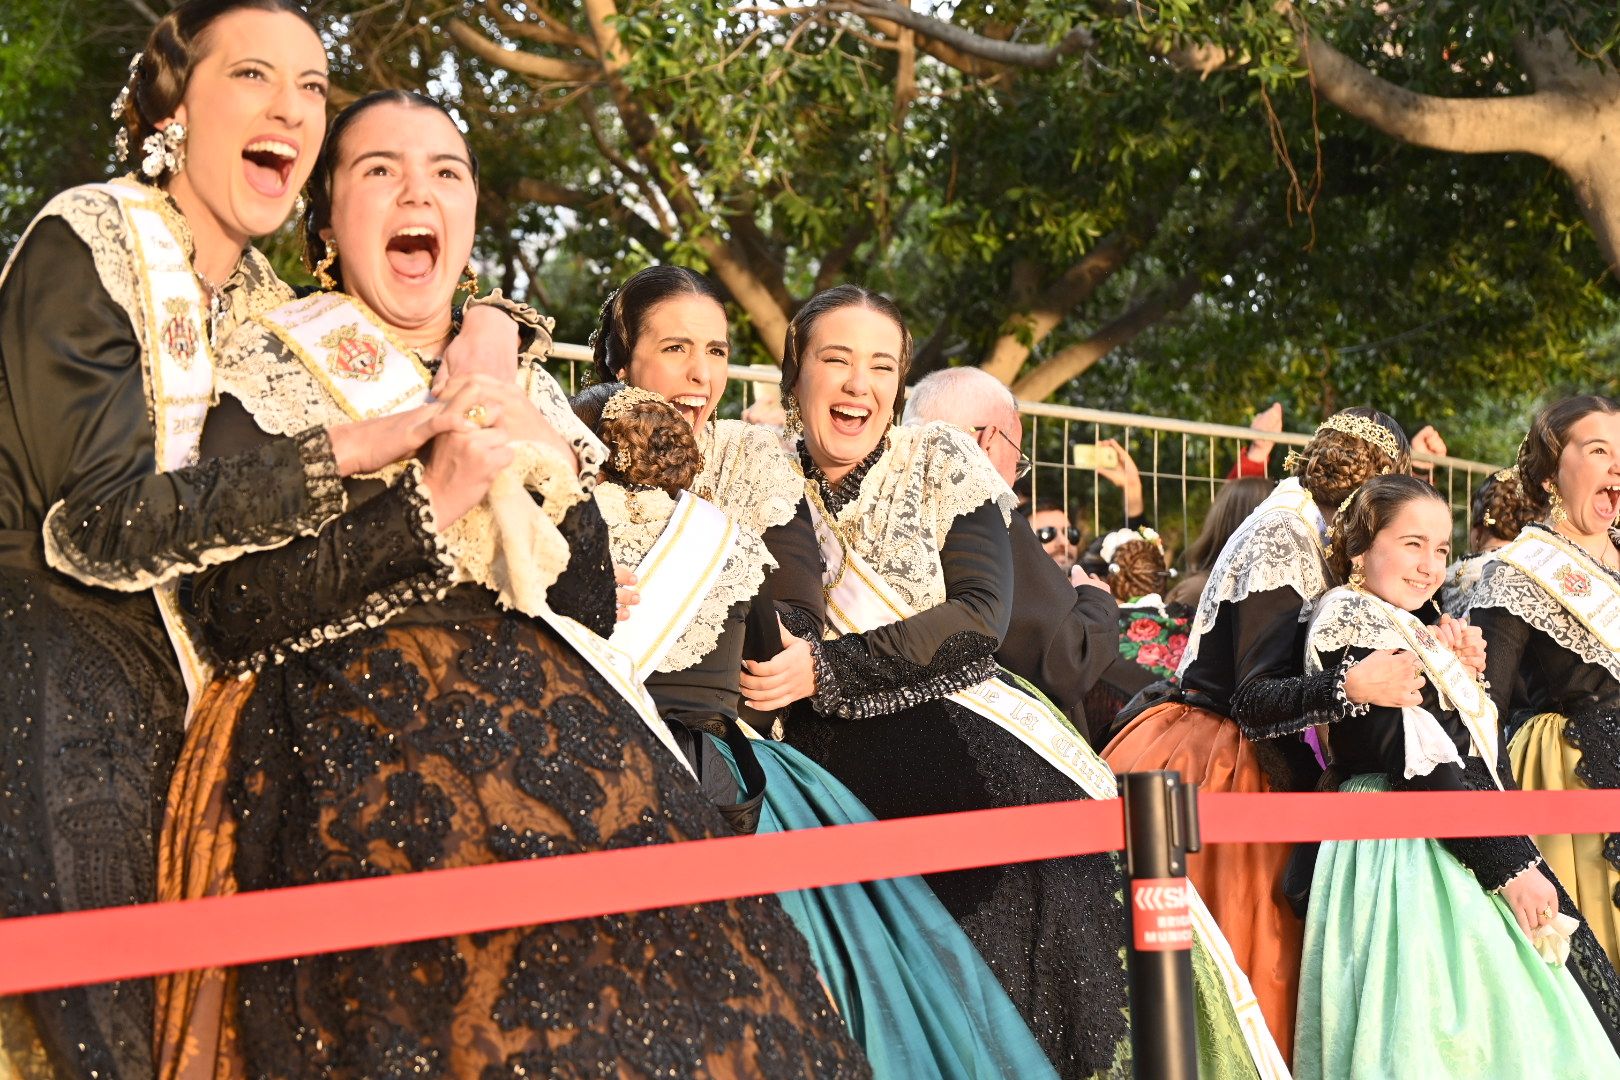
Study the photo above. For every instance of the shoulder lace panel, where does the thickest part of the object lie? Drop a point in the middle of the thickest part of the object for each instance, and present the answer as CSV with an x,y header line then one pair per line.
x,y
749,474
1505,586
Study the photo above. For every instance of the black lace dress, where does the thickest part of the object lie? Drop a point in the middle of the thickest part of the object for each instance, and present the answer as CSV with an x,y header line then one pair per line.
x,y
1053,932
457,733
93,698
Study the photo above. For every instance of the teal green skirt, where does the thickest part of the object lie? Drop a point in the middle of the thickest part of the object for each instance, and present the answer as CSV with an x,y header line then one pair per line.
x,y
1412,970
912,989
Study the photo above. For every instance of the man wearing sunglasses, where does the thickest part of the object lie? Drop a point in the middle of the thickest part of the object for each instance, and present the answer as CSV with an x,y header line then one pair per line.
x,y
1052,528
1062,635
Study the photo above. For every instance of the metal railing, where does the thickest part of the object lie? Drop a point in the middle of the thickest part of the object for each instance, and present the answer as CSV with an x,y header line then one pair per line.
x,y
1183,463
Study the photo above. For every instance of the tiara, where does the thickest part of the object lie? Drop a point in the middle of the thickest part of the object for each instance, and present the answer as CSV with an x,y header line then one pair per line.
x,y
628,398
1363,428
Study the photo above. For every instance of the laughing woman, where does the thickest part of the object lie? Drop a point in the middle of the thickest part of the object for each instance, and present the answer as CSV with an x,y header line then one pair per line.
x,y
419,699
909,985
1549,606
110,311
1426,958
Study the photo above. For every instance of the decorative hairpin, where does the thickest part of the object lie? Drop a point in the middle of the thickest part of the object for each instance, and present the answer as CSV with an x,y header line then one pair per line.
x,y
1333,527
628,398
1363,428
1291,460
1507,475
120,105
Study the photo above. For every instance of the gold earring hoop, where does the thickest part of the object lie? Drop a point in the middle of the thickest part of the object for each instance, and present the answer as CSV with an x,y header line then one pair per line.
x,y
469,282
323,269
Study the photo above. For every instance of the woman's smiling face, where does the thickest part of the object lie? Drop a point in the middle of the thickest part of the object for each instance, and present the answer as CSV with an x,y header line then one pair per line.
x,y
847,384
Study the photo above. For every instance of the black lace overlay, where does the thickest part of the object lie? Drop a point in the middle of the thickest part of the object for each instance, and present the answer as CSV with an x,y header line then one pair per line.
x,y
363,567
858,685
1053,931
93,711
585,590
838,495
1595,732
1593,970
419,746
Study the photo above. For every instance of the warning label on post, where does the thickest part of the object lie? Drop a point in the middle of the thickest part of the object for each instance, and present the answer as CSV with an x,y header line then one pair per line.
x,y
1159,918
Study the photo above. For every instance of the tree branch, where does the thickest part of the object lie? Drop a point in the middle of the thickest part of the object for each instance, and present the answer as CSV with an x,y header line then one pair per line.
x,y
542,26
518,61
1072,360
1021,332
965,41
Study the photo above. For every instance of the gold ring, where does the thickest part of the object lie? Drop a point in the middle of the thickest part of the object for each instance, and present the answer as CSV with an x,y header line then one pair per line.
x,y
1547,914
478,415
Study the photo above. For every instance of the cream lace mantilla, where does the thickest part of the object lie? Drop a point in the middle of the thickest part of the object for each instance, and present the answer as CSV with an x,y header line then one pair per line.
x,y
1504,586
636,519
748,474
500,543
929,476
1278,546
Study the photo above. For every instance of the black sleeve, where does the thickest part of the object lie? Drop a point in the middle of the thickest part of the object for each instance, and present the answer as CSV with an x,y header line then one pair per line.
x,y
795,584
369,562
1507,637
1273,696
1061,638
586,590
73,369
933,653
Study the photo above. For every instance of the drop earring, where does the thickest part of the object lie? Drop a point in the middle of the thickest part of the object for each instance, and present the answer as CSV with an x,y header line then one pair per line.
x,y
165,151
1358,580
792,422
323,269
1556,511
469,282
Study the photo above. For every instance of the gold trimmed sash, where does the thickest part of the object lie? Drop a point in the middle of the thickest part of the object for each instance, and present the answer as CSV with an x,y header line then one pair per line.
x,y
356,359
674,577
1565,573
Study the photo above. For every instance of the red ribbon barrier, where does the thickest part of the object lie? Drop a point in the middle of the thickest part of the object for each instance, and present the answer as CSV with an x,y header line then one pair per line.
x,y
49,951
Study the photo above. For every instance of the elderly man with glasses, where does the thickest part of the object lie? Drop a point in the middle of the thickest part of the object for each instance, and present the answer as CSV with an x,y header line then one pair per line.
x,y
1062,636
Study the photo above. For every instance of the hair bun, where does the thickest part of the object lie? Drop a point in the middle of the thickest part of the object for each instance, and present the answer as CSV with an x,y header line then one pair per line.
x,y
649,443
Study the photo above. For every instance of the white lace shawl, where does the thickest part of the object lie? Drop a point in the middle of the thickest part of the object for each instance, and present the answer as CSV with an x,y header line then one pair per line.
x,y
1502,585
1279,545
636,519
748,474
1462,577
284,397
930,475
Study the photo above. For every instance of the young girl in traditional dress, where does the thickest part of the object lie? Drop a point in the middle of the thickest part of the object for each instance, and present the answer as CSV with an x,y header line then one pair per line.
x,y
1428,958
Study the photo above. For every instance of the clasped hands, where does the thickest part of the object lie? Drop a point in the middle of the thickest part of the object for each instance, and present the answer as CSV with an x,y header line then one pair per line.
x,y
1393,678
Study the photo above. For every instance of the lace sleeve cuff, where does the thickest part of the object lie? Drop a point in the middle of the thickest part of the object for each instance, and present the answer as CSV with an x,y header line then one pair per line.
x,y
1495,875
533,327
322,481
1272,708
855,685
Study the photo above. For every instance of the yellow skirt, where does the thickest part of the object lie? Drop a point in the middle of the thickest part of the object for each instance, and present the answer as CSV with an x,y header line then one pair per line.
x,y
1543,760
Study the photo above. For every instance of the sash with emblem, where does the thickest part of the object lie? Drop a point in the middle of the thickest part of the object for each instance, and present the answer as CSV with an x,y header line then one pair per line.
x,y
1566,574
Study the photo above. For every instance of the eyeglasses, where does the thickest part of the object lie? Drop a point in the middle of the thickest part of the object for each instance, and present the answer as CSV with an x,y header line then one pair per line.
x,y
1048,533
1024,464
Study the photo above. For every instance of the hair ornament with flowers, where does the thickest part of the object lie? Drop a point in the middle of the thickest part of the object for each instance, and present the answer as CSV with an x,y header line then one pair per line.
x,y
1363,428
628,398
1120,537
1338,516
120,106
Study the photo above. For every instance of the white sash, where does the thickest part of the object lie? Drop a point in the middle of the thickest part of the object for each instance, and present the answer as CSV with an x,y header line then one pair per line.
x,y
860,600
369,374
1564,572
178,361
348,350
673,578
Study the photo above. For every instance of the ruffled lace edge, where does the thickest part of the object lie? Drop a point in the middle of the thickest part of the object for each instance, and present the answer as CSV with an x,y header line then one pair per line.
x,y
748,473
1506,586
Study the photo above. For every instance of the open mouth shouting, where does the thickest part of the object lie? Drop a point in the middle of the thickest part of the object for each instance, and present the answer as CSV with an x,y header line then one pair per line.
x,y
413,253
268,165
1607,502
850,419
690,406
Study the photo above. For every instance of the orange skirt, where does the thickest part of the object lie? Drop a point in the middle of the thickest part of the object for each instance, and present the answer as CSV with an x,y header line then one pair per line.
x,y
1240,883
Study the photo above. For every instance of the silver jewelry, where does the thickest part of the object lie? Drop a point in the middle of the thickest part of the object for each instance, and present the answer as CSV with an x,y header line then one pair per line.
x,y
119,106
165,150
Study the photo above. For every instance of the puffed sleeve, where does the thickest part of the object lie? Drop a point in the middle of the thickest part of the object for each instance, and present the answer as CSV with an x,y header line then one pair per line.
x,y
936,652
73,371
373,560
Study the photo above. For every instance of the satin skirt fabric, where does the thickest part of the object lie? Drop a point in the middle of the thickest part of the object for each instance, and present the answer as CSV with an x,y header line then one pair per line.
x,y
1543,760
1410,969
1239,882
910,986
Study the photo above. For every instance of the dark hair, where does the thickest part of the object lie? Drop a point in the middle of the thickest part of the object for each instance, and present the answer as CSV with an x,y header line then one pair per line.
x,y
1334,463
178,41
1236,502
1499,507
841,296
318,192
1370,510
1138,568
1544,445
624,313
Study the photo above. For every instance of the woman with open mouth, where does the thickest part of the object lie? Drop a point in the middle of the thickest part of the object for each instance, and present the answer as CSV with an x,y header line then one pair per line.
x,y
910,986
1460,954
1548,604
427,687
110,313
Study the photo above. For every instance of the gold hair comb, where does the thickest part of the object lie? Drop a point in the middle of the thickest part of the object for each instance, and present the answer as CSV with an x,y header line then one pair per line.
x,y
1363,428
628,398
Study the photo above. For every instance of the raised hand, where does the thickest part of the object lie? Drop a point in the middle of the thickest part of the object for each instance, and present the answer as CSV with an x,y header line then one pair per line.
x,y
1389,678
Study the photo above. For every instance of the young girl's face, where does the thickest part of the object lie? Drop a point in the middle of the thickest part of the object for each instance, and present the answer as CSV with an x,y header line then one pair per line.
x,y
1407,560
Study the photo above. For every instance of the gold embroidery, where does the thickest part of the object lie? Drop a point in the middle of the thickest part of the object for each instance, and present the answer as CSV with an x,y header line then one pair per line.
x,y
353,355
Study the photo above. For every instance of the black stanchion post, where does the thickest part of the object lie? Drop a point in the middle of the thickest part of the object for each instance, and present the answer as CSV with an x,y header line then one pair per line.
x,y
1161,827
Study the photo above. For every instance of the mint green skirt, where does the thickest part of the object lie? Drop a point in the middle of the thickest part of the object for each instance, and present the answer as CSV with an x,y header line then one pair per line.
x,y
1412,970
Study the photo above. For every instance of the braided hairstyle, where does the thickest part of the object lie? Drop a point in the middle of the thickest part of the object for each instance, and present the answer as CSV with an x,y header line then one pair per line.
x,y
1499,510
649,443
624,314
1370,510
158,81
1138,569
1544,445
1334,463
